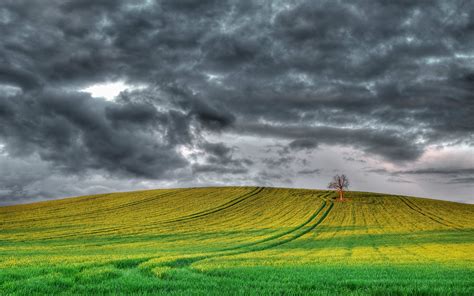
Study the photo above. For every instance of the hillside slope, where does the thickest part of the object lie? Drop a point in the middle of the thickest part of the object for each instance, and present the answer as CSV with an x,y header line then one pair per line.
x,y
167,235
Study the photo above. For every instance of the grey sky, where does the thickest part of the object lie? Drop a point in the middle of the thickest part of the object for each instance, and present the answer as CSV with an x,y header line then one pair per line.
x,y
277,93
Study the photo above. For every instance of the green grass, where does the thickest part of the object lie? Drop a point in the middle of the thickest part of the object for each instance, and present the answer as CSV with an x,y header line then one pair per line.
x,y
237,240
340,280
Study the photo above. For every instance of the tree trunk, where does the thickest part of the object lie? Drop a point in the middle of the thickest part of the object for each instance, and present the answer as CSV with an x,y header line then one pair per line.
x,y
341,195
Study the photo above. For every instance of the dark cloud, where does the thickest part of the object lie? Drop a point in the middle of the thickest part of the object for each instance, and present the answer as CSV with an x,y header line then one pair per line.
x,y
76,132
398,180
449,175
215,169
278,162
267,178
439,171
309,172
467,180
350,158
18,77
302,144
427,171
386,78
219,159
389,143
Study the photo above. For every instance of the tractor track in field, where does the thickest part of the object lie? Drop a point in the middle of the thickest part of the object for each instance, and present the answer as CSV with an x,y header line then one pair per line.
x,y
428,215
433,215
373,237
294,237
224,215
185,262
196,215
101,211
154,197
237,199
412,228
200,214
217,209
276,236
289,213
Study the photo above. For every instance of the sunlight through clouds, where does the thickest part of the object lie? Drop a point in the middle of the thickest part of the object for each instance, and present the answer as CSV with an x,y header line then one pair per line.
x,y
109,90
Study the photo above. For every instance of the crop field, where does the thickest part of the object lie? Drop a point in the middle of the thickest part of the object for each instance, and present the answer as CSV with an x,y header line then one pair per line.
x,y
237,240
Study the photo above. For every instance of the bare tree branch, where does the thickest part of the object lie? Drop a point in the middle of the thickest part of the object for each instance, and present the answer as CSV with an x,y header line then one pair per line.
x,y
340,183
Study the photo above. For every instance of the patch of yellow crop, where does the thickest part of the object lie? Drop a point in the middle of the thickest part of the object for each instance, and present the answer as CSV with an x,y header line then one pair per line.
x,y
235,226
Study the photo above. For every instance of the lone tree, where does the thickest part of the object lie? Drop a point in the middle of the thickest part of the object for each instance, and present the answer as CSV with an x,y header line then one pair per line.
x,y
339,183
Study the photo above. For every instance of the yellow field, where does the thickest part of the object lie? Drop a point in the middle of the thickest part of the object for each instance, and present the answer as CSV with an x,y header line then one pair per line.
x,y
204,230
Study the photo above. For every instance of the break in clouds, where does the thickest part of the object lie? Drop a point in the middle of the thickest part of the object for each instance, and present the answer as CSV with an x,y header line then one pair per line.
x,y
276,93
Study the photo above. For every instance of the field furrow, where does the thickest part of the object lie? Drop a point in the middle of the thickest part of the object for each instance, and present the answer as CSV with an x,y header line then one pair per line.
x,y
162,238
427,214
218,208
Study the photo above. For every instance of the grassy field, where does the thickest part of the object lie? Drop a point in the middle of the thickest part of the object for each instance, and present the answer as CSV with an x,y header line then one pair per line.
x,y
237,240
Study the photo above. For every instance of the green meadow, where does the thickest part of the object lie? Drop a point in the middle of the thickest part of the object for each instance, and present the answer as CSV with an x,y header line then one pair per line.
x,y
237,241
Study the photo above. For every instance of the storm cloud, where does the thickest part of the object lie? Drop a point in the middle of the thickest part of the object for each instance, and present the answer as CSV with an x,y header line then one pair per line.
x,y
212,82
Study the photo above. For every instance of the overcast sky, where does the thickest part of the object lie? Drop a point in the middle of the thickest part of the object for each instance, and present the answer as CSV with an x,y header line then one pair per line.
x,y
101,96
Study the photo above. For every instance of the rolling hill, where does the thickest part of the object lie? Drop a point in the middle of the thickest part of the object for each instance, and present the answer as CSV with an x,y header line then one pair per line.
x,y
238,240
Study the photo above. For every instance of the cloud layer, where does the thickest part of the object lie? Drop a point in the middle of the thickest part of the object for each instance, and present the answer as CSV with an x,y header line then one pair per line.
x,y
388,80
